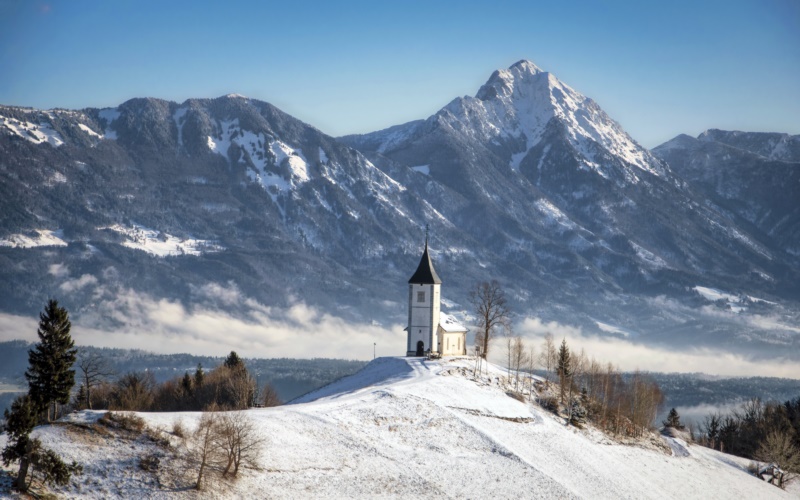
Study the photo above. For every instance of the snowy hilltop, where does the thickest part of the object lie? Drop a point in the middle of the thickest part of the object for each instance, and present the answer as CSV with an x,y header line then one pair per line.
x,y
402,427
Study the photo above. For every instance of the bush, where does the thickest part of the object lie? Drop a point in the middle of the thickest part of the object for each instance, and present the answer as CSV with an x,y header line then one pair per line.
x,y
149,463
125,421
549,403
134,392
178,429
519,397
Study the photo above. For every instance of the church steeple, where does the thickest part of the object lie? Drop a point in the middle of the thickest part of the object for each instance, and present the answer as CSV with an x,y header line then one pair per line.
x,y
425,274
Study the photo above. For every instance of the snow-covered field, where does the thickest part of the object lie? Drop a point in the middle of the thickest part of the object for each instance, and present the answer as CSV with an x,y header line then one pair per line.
x,y
162,244
407,427
42,238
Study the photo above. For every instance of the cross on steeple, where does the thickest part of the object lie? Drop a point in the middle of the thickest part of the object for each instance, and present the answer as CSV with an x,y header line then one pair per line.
x,y
427,230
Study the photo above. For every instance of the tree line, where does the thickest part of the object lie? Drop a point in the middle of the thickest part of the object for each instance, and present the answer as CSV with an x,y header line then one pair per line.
x,y
229,386
587,390
51,377
767,432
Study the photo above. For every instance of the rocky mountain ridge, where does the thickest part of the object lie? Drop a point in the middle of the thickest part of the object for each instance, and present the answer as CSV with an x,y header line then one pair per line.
x,y
528,182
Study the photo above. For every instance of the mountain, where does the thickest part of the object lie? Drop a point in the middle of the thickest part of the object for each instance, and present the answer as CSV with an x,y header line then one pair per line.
x,y
562,193
399,428
231,205
753,176
168,198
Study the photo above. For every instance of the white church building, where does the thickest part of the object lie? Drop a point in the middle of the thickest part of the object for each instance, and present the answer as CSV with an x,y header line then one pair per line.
x,y
430,331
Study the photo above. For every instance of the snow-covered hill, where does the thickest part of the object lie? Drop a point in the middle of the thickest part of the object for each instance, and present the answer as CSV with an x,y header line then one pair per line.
x,y
409,427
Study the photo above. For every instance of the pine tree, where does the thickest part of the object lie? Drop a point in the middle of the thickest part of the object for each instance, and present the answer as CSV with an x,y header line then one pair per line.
x,y
49,374
564,368
20,421
233,361
186,385
673,420
199,377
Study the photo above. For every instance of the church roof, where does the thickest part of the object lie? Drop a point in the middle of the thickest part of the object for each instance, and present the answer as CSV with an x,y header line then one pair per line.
x,y
449,323
425,274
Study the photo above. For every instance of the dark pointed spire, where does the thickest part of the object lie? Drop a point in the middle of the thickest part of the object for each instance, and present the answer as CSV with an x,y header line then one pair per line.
x,y
425,274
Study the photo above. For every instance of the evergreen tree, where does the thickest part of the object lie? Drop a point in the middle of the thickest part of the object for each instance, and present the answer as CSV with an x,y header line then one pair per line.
x,y
673,420
564,368
186,384
49,374
233,361
20,421
199,376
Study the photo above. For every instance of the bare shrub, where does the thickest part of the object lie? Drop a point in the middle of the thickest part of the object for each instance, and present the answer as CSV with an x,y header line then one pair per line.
x,y
204,454
519,397
549,403
178,429
223,444
125,421
240,442
149,463
269,396
134,391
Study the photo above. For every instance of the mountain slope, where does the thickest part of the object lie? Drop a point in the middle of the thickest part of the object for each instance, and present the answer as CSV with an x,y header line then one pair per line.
x,y
404,427
755,176
562,193
232,207
207,191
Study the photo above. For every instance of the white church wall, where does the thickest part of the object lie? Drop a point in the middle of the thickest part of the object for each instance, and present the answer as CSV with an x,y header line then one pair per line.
x,y
423,316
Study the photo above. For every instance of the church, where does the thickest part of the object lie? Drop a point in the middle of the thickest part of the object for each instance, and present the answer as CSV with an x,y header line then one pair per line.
x,y
430,331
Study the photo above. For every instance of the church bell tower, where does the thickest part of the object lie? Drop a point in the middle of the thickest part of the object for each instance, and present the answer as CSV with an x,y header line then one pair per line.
x,y
424,298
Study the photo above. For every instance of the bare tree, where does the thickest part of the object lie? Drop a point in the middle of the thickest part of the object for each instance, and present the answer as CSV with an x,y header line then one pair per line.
x,y
204,450
519,358
778,448
269,396
531,369
548,355
240,443
491,308
134,391
94,370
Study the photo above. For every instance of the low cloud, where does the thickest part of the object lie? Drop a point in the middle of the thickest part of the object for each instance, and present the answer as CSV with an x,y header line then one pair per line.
x,y
76,284
58,270
128,319
629,355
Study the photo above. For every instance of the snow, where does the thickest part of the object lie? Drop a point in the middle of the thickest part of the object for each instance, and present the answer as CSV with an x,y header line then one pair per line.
x,y
261,150
89,131
162,244
36,133
178,118
520,102
612,329
43,238
109,115
649,258
554,216
423,169
408,427
449,323
713,294
323,158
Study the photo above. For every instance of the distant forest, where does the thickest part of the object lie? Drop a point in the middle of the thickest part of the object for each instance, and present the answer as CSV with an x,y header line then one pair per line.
x,y
294,377
290,377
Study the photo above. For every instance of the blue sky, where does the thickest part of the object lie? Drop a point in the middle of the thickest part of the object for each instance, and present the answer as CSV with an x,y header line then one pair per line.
x,y
658,68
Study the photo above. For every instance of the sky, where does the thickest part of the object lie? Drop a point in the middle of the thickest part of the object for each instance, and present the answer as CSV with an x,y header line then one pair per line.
x,y
658,68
